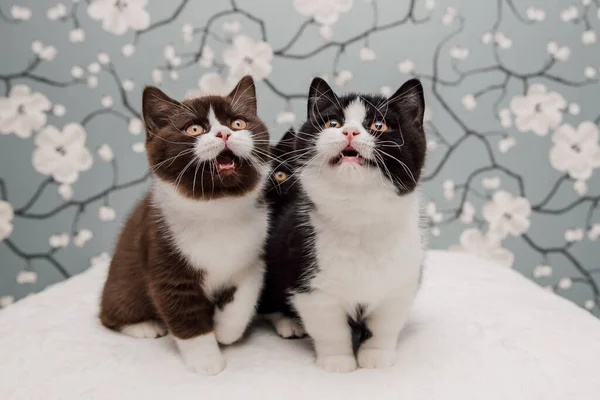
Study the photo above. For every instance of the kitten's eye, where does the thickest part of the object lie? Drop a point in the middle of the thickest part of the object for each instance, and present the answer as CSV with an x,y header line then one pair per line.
x,y
194,130
332,123
238,124
280,176
379,126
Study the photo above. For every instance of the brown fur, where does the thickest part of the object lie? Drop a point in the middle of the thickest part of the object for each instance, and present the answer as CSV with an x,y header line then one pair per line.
x,y
148,280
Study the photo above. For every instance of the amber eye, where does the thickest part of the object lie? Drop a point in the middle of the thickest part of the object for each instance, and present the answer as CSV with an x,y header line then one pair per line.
x,y
194,130
238,124
379,126
280,176
332,123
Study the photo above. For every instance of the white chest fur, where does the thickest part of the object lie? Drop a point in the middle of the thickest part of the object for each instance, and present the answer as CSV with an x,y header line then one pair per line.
x,y
368,243
221,237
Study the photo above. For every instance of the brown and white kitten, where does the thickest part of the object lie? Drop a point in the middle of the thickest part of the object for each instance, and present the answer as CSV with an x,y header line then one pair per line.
x,y
189,258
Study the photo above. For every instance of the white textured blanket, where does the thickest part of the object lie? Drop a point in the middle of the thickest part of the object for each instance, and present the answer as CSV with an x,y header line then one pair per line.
x,y
477,331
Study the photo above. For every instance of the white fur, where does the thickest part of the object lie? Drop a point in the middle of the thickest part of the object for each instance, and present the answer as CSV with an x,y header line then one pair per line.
x,y
144,330
201,354
286,327
368,250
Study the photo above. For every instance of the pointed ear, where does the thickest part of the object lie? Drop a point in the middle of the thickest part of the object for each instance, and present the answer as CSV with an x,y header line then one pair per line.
x,y
410,102
243,96
320,95
285,144
157,108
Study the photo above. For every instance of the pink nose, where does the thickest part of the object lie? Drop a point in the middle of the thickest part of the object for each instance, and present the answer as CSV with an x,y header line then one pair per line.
x,y
350,133
223,135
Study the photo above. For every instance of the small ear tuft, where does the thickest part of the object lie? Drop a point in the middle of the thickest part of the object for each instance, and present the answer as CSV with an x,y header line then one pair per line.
x,y
157,107
410,102
320,95
243,96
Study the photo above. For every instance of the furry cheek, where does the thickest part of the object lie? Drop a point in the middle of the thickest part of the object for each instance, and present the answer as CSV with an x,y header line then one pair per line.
x,y
208,146
330,142
241,143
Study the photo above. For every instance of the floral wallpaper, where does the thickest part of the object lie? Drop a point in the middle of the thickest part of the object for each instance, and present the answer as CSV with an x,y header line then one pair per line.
x,y
512,117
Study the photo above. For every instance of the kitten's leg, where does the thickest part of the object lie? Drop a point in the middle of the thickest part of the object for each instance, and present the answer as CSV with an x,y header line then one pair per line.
x,y
286,327
232,319
385,323
144,330
327,323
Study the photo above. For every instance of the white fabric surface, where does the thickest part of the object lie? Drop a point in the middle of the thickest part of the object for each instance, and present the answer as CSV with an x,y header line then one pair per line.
x,y
477,331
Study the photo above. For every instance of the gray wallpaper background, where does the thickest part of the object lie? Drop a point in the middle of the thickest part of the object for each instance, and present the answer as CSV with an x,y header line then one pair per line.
x,y
511,87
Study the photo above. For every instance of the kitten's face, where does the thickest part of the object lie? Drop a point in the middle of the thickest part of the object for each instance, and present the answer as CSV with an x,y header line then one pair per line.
x,y
280,187
207,147
355,139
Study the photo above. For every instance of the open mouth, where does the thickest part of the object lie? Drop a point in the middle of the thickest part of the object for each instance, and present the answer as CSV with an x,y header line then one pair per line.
x,y
226,162
348,155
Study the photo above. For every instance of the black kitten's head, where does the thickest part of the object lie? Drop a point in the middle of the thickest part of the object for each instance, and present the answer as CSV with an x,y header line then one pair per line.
x,y
280,186
356,138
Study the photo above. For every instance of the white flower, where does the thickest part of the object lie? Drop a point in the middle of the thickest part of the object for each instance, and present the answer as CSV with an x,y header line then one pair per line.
x,y
157,76
535,14
106,153
559,53
6,301
248,57
20,13
507,214
207,57
491,182
367,54
285,117
94,68
77,71
46,53
505,118
6,217
65,191
406,66
26,277
118,16
22,111
342,77
594,232
106,213
231,27
429,4
128,50
386,91
486,246
59,110
589,72
469,102
56,12
589,304
588,37
435,231
135,126
574,235
467,213
586,2
62,154
92,82
432,144
128,85
433,213
538,111
487,38
449,16
77,35
169,52
427,114
576,151
212,83
138,147
324,12
542,271
459,53
326,32
502,40
506,144
569,14
580,187
59,240
574,109
565,283
82,237
103,58
449,187
100,260
187,33
107,101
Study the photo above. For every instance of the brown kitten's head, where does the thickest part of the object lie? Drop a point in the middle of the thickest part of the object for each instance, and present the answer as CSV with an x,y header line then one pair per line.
x,y
208,147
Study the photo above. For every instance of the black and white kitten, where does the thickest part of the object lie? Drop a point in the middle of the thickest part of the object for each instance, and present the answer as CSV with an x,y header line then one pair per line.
x,y
348,250
281,189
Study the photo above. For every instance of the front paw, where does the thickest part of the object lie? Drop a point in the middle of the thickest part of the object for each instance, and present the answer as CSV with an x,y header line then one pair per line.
x,y
209,364
376,358
337,363
229,333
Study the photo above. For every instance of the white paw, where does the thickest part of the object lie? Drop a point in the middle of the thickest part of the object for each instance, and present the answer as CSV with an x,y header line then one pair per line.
x,y
228,333
287,327
376,358
144,330
209,364
337,363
